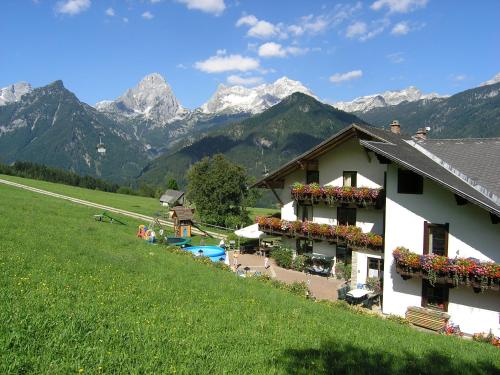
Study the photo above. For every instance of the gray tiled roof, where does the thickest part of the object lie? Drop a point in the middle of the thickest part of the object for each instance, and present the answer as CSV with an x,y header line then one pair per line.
x,y
407,154
475,160
171,196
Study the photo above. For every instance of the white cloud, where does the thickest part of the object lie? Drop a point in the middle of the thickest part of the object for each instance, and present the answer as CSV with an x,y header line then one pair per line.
x,y
249,20
363,32
272,49
147,15
312,25
297,50
243,81
125,19
208,6
458,77
261,29
342,77
72,7
110,12
227,63
356,29
399,6
401,28
154,1
181,66
396,57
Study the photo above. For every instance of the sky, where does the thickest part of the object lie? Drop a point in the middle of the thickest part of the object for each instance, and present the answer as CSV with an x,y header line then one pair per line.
x,y
340,50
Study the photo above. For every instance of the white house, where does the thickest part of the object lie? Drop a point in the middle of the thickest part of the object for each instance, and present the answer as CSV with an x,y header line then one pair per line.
x,y
439,196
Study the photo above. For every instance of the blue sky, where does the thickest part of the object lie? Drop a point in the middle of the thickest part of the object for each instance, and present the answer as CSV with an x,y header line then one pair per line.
x,y
340,50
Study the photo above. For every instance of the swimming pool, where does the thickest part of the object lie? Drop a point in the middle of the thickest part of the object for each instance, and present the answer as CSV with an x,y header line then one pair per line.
x,y
215,253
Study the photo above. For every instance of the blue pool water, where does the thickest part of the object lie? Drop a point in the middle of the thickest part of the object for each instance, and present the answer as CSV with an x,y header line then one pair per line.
x,y
215,253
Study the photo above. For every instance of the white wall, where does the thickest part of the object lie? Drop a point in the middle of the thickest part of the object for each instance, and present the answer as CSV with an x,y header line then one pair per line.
x,y
362,264
288,211
350,156
471,234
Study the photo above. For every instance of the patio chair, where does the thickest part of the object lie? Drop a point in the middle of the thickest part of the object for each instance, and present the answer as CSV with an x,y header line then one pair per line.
x,y
342,292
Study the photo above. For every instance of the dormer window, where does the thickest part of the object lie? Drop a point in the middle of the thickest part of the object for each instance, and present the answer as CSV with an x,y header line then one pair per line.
x,y
350,178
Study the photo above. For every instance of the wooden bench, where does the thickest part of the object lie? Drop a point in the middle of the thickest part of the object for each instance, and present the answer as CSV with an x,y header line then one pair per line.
x,y
427,318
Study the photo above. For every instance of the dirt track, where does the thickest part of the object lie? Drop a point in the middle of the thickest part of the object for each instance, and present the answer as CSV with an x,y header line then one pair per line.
x,y
134,215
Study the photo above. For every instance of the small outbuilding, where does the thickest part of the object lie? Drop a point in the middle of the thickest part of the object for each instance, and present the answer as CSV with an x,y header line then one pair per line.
x,y
172,198
183,220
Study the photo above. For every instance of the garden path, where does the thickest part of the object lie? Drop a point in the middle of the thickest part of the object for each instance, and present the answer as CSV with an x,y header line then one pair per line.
x,y
319,286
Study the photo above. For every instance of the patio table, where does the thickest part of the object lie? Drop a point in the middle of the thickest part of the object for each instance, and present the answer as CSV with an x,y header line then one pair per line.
x,y
356,296
358,293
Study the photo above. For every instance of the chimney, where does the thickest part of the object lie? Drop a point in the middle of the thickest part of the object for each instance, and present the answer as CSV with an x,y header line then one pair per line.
x,y
395,127
421,134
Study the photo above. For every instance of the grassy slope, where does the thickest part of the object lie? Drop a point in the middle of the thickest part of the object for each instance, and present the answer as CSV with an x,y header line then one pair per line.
x,y
142,205
78,294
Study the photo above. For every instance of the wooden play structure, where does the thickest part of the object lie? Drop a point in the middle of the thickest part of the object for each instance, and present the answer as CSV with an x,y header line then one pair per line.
x,y
183,221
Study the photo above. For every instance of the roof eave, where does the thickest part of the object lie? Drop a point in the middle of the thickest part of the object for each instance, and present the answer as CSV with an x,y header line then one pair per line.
x,y
459,192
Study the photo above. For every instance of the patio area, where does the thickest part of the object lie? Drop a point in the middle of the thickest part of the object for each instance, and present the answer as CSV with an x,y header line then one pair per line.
x,y
319,286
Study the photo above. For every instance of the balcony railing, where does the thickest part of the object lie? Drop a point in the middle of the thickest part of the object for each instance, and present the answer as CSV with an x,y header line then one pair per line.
x,y
442,270
334,195
349,235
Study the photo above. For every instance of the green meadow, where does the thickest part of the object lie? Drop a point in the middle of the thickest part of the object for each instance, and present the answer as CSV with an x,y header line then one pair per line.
x,y
79,296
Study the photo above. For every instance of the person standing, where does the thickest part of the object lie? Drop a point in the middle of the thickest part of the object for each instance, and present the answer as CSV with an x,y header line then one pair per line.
x,y
235,259
266,261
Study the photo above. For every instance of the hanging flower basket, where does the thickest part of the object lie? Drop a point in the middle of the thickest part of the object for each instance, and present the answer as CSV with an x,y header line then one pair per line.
x,y
442,270
349,234
332,195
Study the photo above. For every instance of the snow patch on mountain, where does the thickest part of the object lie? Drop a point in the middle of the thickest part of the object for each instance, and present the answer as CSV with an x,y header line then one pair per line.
x,y
239,99
14,92
152,98
385,99
495,79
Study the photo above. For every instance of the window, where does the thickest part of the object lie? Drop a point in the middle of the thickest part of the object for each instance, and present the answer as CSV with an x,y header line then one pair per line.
x,y
434,297
346,216
350,178
304,246
312,176
375,268
436,238
304,212
344,255
409,182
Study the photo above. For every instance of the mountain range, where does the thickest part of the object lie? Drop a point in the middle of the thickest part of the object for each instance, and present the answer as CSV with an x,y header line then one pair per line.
x,y
148,133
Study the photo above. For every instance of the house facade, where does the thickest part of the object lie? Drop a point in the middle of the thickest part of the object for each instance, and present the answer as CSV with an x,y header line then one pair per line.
x,y
428,203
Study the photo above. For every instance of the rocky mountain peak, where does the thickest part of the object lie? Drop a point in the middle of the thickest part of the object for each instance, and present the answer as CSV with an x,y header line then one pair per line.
x,y
152,98
385,99
14,92
239,99
492,81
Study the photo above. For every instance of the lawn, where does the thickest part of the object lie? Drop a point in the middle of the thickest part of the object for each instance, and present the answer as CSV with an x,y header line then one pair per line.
x,y
79,296
141,205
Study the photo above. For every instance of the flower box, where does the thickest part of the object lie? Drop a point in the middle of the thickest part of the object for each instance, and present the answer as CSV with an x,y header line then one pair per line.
x,y
348,234
334,195
442,270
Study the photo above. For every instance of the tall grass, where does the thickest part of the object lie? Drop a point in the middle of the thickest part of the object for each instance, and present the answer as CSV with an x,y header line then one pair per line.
x,y
79,296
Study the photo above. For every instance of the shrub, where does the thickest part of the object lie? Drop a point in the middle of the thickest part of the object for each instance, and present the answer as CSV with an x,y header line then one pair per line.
x,y
374,283
343,271
283,257
298,263
398,319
